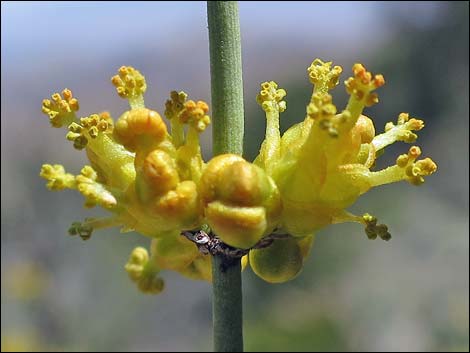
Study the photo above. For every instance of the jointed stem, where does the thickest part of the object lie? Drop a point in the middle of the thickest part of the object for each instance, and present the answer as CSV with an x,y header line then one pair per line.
x,y
228,120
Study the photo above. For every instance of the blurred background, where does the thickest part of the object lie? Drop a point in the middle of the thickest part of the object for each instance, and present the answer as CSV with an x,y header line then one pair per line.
x,y
409,294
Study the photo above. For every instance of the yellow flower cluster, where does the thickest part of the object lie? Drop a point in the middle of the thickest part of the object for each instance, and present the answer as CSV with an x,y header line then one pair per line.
x,y
323,164
156,183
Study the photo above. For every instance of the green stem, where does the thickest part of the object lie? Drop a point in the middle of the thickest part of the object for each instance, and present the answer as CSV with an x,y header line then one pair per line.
x,y
227,305
226,77
228,119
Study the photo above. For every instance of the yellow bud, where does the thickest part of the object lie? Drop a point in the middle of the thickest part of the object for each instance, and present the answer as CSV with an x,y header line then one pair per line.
x,y
139,256
160,172
181,204
241,201
210,178
140,125
242,185
365,128
279,262
241,227
136,263
57,178
143,272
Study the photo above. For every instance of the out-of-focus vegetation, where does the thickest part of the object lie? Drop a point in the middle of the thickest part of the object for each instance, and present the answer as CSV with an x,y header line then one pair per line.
x,y
59,293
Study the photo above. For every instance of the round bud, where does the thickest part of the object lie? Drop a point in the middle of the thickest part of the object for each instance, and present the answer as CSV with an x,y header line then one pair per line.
x,y
181,205
244,184
140,126
241,202
160,172
279,262
365,128
240,227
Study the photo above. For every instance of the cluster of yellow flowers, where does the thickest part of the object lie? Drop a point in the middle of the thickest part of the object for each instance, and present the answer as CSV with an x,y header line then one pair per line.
x,y
157,184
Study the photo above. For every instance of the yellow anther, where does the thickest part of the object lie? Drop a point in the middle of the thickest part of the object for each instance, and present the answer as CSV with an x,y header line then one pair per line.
x,y
414,152
89,172
322,110
402,160
94,192
389,126
61,109
323,76
403,118
106,117
416,171
89,128
129,82
321,107
173,109
419,170
195,114
57,178
402,131
175,105
136,263
271,98
143,272
405,126
362,84
411,124
93,132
